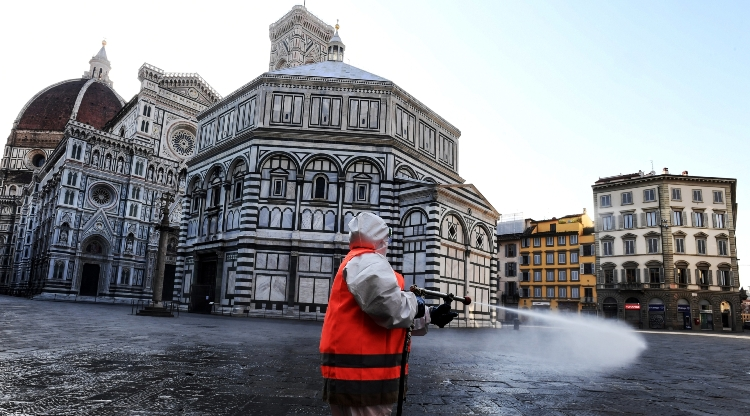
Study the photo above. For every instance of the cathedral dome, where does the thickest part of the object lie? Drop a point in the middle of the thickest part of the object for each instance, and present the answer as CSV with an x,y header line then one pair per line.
x,y
88,101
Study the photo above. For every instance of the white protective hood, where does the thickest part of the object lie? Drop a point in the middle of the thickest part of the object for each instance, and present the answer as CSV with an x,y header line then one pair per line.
x,y
367,230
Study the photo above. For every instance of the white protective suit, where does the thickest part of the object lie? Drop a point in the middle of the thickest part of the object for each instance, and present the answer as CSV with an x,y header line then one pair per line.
x,y
371,279
372,282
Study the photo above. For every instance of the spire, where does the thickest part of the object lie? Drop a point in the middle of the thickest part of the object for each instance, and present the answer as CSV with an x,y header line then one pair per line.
x,y
336,46
99,66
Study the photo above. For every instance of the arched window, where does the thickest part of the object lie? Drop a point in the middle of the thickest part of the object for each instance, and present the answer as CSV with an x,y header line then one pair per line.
x,y
73,151
452,230
319,187
149,111
122,131
12,190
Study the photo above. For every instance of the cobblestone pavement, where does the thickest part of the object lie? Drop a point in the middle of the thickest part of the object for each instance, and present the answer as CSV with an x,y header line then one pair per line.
x,y
59,358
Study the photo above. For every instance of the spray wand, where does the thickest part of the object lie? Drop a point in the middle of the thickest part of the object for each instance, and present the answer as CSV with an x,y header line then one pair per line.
x,y
447,298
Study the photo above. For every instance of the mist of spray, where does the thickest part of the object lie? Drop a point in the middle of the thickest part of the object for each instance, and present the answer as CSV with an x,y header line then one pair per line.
x,y
573,343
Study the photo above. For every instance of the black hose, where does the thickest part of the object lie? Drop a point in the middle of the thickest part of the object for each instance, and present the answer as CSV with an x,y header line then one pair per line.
x,y
402,378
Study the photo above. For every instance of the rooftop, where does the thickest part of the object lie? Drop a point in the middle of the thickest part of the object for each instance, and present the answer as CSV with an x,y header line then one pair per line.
x,y
329,69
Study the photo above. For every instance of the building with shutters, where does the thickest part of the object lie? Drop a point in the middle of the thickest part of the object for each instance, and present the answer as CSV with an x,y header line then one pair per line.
x,y
83,173
510,230
556,265
286,161
666,250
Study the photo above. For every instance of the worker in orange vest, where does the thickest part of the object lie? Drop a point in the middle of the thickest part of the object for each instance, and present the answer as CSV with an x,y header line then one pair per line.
x,y
366,324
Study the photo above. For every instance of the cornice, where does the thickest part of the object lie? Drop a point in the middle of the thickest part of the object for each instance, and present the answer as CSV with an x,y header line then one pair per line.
x,y
662,178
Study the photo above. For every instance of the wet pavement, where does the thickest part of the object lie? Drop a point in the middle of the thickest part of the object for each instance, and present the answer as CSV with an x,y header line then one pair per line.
x,y
60,358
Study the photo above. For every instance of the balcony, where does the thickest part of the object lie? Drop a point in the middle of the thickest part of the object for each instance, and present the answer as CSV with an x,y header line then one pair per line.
x,y
588,300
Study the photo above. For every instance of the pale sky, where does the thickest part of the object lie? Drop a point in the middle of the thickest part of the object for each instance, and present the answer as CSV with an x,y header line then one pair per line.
x,y
549,96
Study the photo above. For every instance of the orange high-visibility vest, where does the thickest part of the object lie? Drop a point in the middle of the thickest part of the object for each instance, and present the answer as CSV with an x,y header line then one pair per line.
x,y
360,360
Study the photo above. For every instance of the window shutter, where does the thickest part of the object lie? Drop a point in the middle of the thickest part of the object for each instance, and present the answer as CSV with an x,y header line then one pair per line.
x,y
638,275
697,276
635,220
661,275
674,276
711,277
731,278
643,219
580,272
684,218
622,275
705,219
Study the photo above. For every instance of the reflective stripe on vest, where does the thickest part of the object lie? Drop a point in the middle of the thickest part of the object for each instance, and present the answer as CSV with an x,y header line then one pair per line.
x,y
360,360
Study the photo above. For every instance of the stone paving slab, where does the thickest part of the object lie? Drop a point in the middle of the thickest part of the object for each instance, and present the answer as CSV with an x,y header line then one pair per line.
x,y
61,358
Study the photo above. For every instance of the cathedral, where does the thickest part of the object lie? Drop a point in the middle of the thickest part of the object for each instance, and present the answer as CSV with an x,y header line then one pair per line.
x,y
266,180
83,176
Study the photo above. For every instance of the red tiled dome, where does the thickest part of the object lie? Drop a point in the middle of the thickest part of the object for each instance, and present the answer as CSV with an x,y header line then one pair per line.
x,y
52,108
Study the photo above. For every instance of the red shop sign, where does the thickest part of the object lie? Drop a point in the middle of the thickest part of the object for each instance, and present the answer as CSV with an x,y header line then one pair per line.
x,y
633,306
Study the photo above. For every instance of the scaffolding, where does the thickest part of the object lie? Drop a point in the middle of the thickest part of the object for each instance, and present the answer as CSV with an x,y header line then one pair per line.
x,y
510,224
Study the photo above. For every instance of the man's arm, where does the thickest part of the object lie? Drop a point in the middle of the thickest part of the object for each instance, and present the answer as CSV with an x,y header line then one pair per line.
x,y
372,282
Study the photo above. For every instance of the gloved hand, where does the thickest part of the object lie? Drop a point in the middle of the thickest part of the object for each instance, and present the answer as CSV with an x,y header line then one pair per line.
x,y
442,315
420,307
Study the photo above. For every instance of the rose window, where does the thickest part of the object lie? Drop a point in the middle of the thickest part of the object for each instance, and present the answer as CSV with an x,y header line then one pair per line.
x,y
101,195
183,143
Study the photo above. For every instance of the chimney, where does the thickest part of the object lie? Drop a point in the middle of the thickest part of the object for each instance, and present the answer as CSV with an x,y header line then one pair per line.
x,y
684,173
665,171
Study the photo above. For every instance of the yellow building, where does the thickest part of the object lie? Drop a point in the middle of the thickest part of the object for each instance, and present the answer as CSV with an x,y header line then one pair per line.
x,y
557,269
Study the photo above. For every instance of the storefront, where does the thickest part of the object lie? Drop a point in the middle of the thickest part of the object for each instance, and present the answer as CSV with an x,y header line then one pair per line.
x,y
633,312
656,313
683,310
706,316
567,307
609,308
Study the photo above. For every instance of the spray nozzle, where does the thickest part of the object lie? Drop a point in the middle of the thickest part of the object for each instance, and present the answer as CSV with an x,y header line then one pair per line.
x,y
447,297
